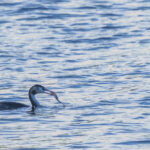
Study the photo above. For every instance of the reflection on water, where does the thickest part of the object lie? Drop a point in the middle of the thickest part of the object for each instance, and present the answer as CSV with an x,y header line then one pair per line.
x,y
95,55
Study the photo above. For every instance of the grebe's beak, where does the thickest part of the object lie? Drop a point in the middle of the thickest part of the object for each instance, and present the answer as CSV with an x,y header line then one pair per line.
x,y
55,95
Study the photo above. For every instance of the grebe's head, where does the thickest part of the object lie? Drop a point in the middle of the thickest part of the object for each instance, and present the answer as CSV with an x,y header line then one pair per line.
x,y
36,89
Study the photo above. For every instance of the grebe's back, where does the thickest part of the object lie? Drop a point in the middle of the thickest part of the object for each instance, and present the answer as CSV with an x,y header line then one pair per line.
x,y
11,105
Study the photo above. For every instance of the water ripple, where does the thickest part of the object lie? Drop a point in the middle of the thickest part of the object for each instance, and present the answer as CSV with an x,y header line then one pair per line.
x,y
94,55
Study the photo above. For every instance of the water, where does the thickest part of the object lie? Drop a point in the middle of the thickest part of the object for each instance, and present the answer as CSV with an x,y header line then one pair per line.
x,y
94,55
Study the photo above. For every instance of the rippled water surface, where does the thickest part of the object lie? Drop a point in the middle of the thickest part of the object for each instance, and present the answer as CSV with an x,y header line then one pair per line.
x,y
95,55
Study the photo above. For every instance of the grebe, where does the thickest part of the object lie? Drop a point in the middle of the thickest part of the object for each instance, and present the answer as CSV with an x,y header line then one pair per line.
x,y
36,89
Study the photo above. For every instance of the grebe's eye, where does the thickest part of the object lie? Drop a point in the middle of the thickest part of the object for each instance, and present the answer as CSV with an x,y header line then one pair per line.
x,y
34,92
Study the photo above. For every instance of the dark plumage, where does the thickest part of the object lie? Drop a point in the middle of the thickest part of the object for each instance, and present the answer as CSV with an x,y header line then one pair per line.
x,y
11,105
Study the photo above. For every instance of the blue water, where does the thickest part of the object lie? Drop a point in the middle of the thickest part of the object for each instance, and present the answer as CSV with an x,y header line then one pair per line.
x,y
95,55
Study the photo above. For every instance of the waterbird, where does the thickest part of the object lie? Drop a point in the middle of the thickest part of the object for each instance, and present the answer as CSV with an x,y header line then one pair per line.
x,y
36,89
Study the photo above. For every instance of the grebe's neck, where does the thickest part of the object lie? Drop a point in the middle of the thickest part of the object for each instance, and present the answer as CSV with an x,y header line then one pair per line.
x,y
33,100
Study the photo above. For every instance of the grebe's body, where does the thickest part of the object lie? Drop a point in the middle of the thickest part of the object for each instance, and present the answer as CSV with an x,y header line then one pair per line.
x,y
11,105
36,89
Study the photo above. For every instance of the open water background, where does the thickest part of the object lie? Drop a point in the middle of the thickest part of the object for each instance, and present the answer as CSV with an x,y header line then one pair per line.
x,y
95,55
